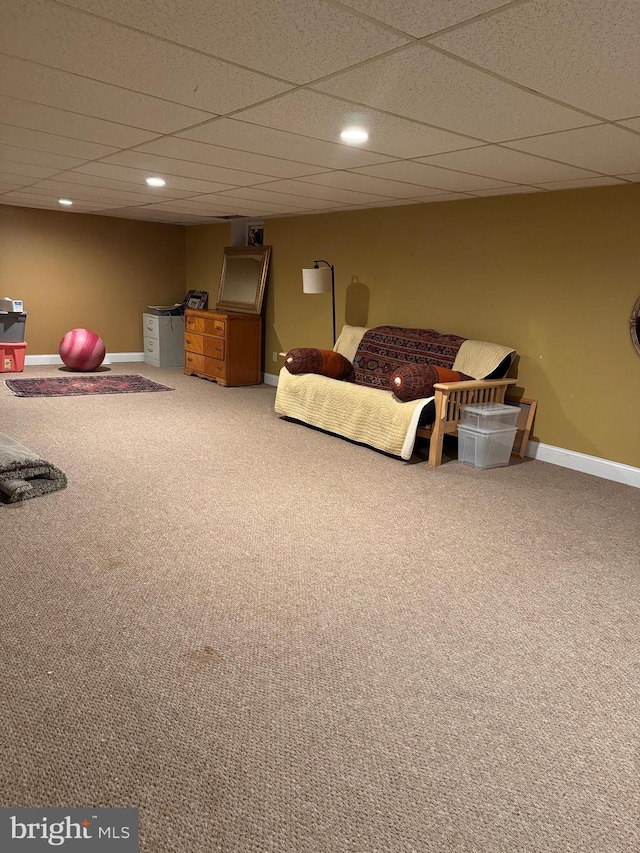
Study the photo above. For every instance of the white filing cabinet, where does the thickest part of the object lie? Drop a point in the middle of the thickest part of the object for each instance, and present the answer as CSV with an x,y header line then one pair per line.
x,y
163,340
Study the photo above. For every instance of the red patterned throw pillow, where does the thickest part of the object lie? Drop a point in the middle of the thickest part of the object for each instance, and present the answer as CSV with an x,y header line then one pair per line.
x,y
326,362
416,381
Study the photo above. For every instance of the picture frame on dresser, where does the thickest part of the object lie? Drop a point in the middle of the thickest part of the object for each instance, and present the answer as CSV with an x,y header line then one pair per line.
x,y
196,299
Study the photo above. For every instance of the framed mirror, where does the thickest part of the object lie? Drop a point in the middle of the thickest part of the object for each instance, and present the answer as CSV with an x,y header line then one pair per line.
x,y
634,326
243,278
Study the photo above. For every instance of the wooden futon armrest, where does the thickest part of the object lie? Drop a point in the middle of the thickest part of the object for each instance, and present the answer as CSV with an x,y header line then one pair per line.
x,y
448,399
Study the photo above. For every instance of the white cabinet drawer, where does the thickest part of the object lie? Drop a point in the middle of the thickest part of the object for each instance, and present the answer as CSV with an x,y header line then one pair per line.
x,y
163,340
151,347
151,326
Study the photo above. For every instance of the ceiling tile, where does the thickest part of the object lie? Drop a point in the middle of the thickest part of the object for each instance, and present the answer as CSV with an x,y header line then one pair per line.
x,y
300,202
583,53
67,124
422,84
123,177
143,213
603,148
510,191
24,138
50,202
445,197
582,182
314,114
327,37
233,204
424,200
7,187
56,35
27,170
430,176
506,165
165,166
367,184
139,186
635,176
43,85
419,18
633,123
278,143
315,192
229,158
12,153
72,190
219,208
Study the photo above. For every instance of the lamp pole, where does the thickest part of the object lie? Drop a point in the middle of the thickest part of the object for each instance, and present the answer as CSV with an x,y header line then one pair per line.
x,y
333,292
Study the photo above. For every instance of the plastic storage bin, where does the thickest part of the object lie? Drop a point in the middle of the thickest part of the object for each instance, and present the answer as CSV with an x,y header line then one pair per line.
x,y
12,328
12,358
484,448
489,415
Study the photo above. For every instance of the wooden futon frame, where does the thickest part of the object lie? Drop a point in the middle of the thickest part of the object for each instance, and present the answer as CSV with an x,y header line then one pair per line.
x,y
448,398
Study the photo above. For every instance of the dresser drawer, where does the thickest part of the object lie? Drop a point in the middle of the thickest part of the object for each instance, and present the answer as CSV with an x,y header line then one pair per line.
x,y
193,361
213,347
193,342
151,326
214,327
215,368
194,324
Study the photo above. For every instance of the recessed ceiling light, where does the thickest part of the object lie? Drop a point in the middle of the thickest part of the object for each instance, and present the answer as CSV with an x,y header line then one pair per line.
x,y
156,182
354,134
65,201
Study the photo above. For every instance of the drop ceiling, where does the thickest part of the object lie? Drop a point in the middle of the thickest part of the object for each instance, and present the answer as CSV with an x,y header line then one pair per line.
x,y
239,105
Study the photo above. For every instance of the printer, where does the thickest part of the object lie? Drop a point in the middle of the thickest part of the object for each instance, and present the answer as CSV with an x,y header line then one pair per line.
x,y
11,306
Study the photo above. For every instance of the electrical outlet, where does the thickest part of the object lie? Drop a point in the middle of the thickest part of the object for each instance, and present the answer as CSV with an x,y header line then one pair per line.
x,y
274,355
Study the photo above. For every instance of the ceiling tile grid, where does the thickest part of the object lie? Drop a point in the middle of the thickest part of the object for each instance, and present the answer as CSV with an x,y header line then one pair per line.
x,y
240,109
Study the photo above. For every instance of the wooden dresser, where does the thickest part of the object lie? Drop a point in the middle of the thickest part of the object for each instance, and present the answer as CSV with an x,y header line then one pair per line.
x,y
223,346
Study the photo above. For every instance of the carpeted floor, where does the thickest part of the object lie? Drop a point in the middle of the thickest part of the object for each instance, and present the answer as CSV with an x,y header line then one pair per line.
x,y
270,639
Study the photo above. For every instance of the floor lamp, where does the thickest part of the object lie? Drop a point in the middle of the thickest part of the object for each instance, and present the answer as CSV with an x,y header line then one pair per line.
x,y
321,280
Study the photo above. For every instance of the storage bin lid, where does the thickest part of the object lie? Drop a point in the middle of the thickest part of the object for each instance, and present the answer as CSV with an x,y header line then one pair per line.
x,y
487,409
488,430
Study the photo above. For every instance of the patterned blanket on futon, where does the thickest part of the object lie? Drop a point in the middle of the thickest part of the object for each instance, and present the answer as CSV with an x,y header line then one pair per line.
x,y
383,349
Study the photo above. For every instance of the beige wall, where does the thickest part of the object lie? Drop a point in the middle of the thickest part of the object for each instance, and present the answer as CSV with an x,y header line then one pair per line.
x,y
553,274
205,251
75,270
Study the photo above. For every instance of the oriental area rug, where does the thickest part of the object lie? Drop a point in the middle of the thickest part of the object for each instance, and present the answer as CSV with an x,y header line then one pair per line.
x,y
74,386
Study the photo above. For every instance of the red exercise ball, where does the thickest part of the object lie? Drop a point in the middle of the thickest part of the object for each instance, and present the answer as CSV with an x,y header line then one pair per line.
x,y
81,349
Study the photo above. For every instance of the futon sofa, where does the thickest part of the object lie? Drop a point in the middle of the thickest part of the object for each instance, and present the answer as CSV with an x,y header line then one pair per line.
x,y
384,387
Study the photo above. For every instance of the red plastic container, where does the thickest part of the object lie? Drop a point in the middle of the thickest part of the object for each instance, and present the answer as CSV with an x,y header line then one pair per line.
x,y
12,358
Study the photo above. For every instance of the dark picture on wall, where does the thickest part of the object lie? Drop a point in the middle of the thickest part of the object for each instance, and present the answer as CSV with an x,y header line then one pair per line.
x,y
255,235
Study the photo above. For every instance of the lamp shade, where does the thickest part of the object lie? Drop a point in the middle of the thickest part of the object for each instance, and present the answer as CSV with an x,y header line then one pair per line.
x,y
316,280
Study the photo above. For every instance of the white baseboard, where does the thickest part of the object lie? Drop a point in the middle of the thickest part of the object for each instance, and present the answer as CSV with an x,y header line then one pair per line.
x,y
595,465
111,358
270,379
